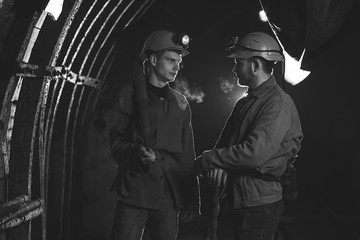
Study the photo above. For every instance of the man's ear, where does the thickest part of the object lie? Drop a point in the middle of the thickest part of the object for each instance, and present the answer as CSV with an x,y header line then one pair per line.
x,y
153,59
255,65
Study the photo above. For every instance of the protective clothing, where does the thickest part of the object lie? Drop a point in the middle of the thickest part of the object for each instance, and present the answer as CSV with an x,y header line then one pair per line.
x,y
257,44
163,40
262,133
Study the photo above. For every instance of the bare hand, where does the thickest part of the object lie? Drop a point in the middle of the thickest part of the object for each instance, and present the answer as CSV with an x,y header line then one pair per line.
x,y
146,156
217,176
186,217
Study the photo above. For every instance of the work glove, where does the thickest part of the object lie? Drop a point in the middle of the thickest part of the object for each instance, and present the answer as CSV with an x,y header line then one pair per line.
x,y
217,177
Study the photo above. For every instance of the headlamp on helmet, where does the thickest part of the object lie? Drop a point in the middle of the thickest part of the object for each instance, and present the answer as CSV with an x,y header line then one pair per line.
x,y
161,40
182,40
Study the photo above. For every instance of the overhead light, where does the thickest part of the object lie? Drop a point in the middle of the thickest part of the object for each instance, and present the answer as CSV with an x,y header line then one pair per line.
x,y
262,15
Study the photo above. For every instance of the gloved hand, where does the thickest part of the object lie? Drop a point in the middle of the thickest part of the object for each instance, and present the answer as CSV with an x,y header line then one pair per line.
x,y
217,176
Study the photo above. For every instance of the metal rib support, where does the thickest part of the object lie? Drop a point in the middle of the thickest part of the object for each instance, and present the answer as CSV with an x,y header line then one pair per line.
x,y
19,210
107,36
64,32
101,83
16,201
98,34
25,58
81,69
68,117
43,133
72,151
116,22
44,138
17,221
77,32
111,50
64,161
31,155
20,213
9,108
87,32
142,6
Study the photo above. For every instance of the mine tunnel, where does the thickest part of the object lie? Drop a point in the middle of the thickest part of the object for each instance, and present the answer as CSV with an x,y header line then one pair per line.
x,y
63,63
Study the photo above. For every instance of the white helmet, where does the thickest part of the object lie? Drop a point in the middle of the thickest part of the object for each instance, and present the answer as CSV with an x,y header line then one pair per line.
x,y
256,44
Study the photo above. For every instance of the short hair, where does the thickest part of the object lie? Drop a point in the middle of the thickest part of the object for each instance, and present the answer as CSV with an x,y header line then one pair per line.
x,y
268,66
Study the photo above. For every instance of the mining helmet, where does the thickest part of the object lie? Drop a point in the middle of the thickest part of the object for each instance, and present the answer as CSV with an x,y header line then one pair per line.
x,y
255,44
165,40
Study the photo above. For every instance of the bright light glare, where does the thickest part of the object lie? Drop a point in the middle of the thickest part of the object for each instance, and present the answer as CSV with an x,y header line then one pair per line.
x,y
263,16
227,85
185,39
293,72
54,8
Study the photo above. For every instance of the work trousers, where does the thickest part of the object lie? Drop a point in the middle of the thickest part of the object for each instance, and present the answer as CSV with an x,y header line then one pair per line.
x,y
135,223
257,223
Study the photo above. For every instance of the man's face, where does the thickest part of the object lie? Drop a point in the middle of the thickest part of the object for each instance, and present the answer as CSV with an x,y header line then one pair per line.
x,y
242,70
167,66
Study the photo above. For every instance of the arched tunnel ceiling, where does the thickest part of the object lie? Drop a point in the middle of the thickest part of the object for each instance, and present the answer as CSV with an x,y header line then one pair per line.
x,y
304,24
90,35
96,39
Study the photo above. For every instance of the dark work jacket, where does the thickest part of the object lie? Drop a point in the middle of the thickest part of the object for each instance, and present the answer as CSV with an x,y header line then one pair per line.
x,y
173,143
261,134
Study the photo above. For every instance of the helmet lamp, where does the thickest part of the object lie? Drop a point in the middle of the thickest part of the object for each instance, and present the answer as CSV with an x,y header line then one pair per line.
x,y
185,40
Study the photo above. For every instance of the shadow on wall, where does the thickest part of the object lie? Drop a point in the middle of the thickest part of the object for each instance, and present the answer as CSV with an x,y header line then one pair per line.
x,y
100,170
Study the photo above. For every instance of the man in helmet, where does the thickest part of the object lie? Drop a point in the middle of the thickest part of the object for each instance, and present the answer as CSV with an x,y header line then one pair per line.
x,y
261,134
151,140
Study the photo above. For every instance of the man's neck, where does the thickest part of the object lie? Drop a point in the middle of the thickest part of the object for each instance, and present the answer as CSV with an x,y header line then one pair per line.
x,y
160,92
259,80
154,80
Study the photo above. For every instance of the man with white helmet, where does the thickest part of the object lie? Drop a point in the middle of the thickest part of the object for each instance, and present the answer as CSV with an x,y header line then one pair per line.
x,y
151,140
262,133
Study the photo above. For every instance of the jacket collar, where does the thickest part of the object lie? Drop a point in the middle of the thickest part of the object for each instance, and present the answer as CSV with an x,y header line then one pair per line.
x,y
263,88
169,95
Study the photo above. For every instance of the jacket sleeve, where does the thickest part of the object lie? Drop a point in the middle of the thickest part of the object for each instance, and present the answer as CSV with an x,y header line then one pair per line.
x,y
123,147
188,151
190,182
262,142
